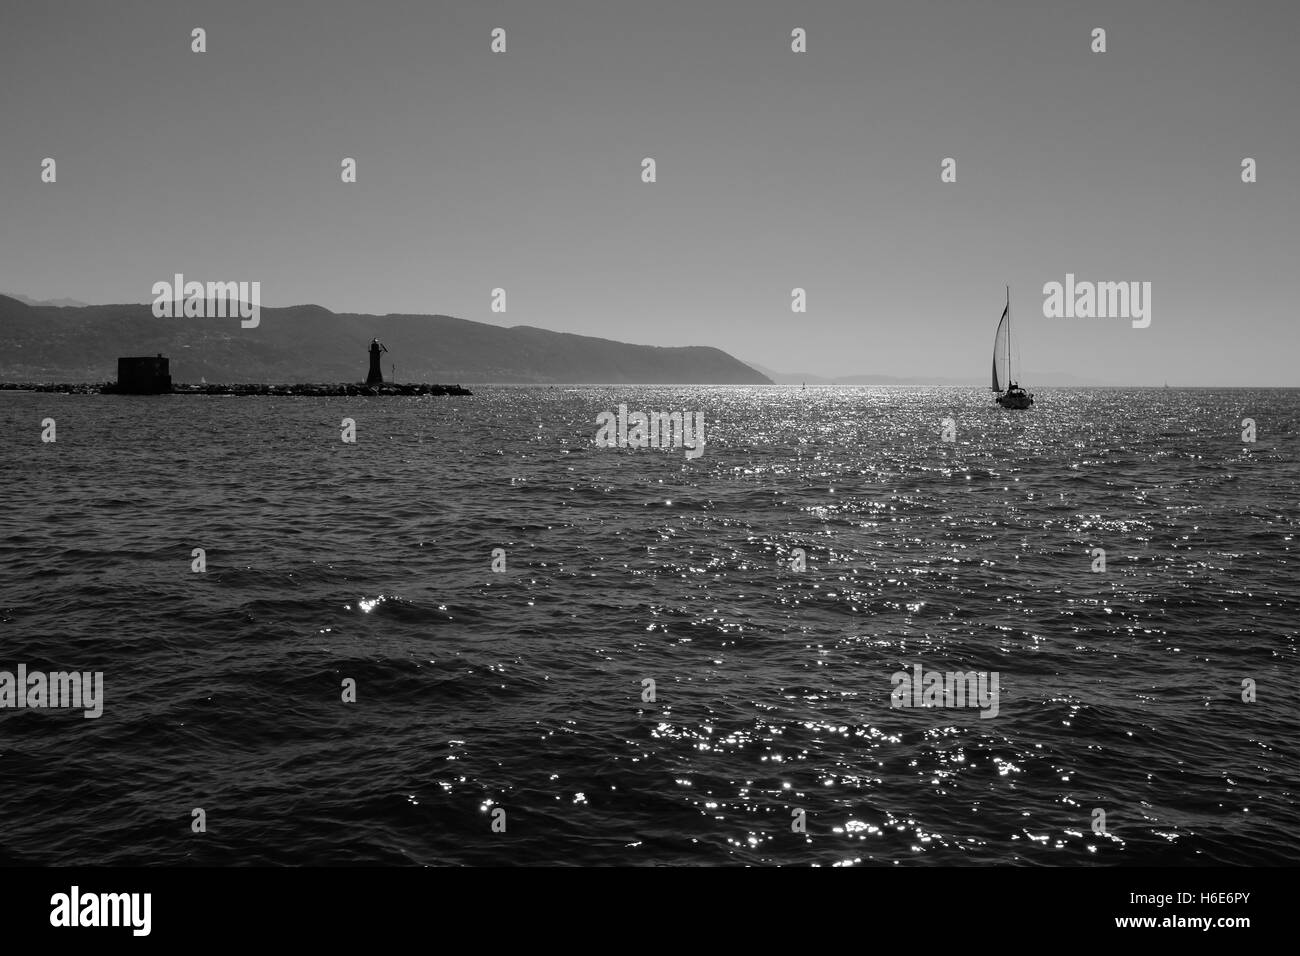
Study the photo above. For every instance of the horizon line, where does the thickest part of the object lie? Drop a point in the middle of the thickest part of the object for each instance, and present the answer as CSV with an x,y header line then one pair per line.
x,y
901,381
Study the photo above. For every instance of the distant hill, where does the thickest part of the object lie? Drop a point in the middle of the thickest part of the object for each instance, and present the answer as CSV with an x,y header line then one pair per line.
x,y
308,343
798,378
57,303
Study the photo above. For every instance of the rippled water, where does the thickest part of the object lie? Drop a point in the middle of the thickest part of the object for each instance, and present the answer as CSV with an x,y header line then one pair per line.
x,y
523,690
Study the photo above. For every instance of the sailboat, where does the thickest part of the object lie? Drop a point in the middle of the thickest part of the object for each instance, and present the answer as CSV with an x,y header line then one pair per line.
x,y
1009,394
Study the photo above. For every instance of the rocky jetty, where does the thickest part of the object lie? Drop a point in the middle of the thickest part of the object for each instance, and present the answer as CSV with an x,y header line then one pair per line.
x,y
307,390
82,389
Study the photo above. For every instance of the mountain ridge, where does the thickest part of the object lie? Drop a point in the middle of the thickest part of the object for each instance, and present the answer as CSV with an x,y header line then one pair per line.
x,y
55,303
310,343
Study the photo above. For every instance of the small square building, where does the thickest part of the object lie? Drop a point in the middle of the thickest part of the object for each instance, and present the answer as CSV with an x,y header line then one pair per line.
x,y
150,375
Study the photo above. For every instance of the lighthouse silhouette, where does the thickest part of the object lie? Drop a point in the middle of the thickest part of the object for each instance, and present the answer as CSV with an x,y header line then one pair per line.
x,y
376,377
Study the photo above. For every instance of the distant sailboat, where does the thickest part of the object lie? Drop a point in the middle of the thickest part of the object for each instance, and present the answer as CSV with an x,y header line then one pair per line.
x,y
1009,394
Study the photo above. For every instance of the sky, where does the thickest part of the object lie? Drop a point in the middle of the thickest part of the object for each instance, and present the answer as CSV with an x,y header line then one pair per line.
x,y
775,170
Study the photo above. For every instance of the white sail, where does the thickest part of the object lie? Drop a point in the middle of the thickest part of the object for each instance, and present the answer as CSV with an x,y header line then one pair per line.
x,y
1001,351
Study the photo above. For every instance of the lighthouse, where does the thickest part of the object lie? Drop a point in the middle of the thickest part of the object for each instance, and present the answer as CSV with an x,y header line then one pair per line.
x,y
376,377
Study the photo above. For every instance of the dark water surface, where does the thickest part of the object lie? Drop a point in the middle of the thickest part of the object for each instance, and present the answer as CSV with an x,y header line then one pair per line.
x,y
523,690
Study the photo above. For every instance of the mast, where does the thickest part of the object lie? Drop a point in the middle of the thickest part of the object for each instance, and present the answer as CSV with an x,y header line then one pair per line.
x,y
1010,380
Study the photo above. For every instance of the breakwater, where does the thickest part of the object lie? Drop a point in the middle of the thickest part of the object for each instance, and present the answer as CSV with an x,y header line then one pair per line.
x,y
308,390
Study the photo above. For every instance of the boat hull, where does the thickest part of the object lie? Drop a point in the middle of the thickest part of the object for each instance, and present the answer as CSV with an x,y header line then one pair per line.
x,y
1016,400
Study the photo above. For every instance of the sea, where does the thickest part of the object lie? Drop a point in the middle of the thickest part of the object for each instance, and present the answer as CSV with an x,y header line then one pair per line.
x,y
473,637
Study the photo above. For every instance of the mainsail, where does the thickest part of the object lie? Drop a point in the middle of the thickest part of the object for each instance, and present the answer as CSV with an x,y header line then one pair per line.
x,y
1002,350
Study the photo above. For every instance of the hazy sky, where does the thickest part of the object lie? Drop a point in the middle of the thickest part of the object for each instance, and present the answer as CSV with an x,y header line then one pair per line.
x,y
775,170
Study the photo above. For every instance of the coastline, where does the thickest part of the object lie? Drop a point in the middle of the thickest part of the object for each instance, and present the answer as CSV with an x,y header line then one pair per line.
x,y
304,389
